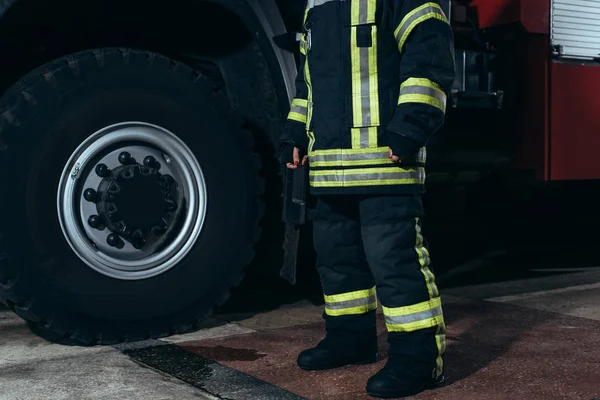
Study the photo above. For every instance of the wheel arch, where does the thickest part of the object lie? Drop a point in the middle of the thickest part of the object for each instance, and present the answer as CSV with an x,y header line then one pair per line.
x,y
262,17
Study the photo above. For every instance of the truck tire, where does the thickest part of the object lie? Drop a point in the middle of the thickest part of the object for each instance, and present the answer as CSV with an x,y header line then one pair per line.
x,y
130,194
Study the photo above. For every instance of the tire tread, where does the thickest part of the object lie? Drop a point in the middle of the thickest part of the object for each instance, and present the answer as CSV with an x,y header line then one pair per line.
x,y
13,291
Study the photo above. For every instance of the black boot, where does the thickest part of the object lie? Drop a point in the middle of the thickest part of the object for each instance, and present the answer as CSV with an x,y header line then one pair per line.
x,y
395,381
350,339
329,354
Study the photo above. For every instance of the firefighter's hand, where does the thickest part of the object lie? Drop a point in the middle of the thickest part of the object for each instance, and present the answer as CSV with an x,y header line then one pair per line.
x,y
296,158
401,148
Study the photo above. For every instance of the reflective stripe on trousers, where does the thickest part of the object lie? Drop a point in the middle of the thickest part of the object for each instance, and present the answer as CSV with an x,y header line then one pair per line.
x,y
358,302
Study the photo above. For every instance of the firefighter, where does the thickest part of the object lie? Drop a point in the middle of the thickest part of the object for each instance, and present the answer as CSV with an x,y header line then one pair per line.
x,y
370,93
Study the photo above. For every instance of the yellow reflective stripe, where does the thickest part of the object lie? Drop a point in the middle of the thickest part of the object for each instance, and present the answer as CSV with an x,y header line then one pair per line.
x,y
365,83
364,137
311,140
415,17
373,88
366,177
422,90
440,340
294,116
363,12
413,308
425,261
357,108
300,103
308,82
356,157
414,317
303,45
298,111
358,302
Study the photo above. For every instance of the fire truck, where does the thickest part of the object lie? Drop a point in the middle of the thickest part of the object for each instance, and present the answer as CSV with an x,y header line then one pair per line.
x,y
138,144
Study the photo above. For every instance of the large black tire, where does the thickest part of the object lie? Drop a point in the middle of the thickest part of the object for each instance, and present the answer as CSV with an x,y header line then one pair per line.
x,y
43,118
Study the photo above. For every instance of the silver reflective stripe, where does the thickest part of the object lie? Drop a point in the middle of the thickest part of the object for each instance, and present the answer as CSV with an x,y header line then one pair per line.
x,y
408,23
300,110
363,11
349,176
364,133
316,3
365,93
420,316
348,157
340,305
417,89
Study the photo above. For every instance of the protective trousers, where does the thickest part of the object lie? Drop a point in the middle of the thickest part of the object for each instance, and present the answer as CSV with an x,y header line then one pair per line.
x,y
369,248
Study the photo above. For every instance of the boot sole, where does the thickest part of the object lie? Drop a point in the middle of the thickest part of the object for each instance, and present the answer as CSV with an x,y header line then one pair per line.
x,y
402,394
317,368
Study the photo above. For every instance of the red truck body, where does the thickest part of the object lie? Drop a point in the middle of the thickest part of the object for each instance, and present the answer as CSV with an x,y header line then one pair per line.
x,y
558,122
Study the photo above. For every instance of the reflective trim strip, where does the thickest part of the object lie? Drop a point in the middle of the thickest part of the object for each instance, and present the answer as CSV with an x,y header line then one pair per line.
x,y
308,82
421,90
363,11
440,340
415,317
358,302
316,3
365,83
415,17
425,261
303,45
367,177
311,140
299,110
363,137
355,157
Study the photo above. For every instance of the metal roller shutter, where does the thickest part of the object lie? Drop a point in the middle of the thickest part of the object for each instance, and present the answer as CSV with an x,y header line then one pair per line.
x,y
575,28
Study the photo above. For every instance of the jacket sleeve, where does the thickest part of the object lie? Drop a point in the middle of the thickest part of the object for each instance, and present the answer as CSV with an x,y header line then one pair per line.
x,y
427,72
294,132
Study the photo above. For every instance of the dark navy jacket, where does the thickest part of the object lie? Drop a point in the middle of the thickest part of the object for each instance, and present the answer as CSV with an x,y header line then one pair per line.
x,y
370,69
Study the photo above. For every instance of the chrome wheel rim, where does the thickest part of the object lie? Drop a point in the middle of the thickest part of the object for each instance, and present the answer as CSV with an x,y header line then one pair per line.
x,y
98,196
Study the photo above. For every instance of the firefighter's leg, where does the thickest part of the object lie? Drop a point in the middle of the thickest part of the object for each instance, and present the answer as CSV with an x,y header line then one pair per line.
x,y
406,287
348,285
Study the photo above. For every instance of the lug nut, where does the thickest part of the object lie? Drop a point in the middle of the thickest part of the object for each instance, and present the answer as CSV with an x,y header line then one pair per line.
x,y
90,195
114,240
151,162
158,230
96,222
102,170
125,158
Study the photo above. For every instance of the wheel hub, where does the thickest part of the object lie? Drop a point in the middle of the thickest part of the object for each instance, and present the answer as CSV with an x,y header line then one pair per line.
x,y
129,219
134,201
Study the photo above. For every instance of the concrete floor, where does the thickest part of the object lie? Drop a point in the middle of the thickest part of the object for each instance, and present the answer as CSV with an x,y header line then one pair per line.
x,y
521,340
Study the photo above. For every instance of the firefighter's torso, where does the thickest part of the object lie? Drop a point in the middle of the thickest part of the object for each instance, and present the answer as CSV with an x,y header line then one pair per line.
x,y
351,69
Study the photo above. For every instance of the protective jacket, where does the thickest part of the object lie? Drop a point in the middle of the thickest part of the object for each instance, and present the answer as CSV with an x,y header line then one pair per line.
x,y
370,69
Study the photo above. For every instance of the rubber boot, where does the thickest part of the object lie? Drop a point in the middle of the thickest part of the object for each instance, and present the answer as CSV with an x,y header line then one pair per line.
x,y
349,340
394,381
414,365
